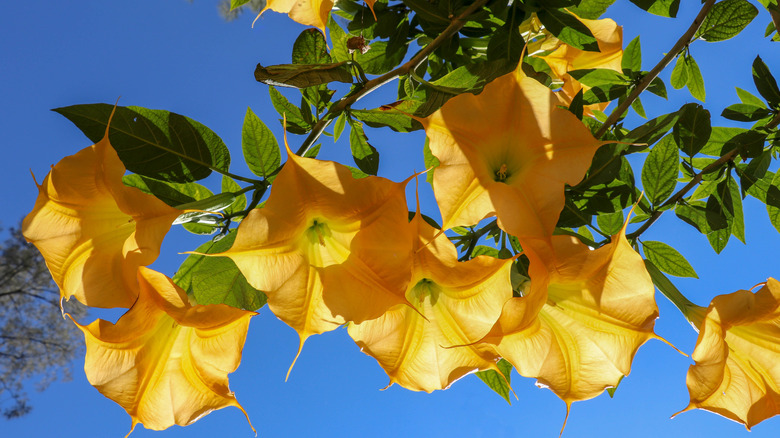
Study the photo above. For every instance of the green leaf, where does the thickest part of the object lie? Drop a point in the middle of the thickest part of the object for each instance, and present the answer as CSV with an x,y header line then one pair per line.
x,y
295,122
605,93
384,56
498,382
726,19
380,117
695,80
632,56
666,287
754,171
591,9
766,83
658,87
653,130
773,201
637,106
693,129
659,173
431,162
303,75
217,280
742,112
749,98
568,29
310,48
610,223
668,259
750,143
680,73
154,143
576,105
261,150
695,214
506,44
598,77
338,126
237,3
229,185
664,8
719,137
173,194
366,156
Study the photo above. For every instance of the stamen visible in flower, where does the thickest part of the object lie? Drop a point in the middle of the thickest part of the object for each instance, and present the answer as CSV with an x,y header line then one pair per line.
x,y
423,288
501,175
318,232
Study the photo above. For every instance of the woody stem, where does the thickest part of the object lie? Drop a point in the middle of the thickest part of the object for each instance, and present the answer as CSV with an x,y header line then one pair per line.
x,y
337,108
678,47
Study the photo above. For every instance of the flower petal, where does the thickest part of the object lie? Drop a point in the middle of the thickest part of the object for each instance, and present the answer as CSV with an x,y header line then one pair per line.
x,y
166,362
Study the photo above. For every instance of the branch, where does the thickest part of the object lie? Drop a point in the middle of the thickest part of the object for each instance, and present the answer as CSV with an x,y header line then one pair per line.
x,y
456,24
681,43
715,165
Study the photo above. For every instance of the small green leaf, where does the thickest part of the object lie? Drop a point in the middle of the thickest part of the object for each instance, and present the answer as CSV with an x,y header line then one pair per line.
x,y
380,117
754,171
693,129
658,87
591,9
237,3
261,150
749,98
610,223
366,156
637,106
742,112
498,382
338,126
679,73
568,29
653,130
431,162
605,93
217,280
598,77
303,75
173,194
668,259
295,122
632,56
659,173
773,201
229,185
576,107
726,19
310,48
664,8
766,83
154,143
695,80
719,137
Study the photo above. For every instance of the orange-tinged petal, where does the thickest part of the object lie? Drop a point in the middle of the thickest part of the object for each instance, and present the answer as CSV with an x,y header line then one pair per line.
x,y
578,327
565,58
737,355
327,248
307,12
165,361
93,231
509,152
430,346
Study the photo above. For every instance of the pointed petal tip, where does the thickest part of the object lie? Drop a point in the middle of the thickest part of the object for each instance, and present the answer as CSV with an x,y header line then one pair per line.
x,y
300,348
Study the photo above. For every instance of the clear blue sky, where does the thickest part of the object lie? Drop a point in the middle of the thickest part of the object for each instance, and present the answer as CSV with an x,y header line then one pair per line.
x,y
183,57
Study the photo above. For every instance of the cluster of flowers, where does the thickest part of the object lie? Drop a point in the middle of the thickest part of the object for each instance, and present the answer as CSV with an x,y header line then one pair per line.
x,y
328,250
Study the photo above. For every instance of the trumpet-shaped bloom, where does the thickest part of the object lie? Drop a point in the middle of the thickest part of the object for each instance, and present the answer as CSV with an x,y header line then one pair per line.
x,y
430,346
307,12
737,355
165,361
565,58
583,318
326,248
93,231
509,152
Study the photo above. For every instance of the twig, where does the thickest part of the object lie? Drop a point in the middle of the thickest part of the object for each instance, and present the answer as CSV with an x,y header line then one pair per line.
x,y
728,156
681,43
455,25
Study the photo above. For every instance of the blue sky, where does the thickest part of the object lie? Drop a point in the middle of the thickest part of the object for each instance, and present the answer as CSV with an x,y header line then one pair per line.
x,y
184,58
